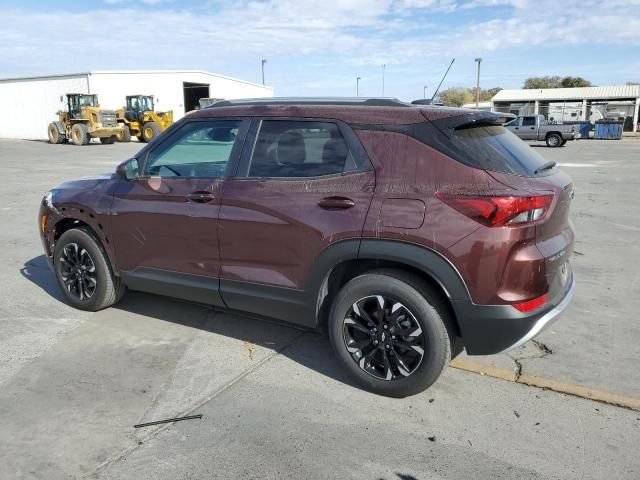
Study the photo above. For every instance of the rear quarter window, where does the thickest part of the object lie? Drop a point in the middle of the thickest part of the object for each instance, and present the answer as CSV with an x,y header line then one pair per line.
x,y
496,149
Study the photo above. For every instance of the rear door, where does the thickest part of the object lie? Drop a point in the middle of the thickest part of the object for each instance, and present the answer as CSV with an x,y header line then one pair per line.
x,y
301,186
165,222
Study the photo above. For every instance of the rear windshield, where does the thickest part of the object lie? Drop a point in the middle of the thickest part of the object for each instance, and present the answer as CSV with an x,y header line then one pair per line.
x,y
496,149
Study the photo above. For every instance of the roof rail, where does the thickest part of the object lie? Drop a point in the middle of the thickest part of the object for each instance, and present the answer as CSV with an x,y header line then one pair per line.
x,y
356,101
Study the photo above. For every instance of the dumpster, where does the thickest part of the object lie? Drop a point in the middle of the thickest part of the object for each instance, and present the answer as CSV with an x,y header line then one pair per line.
x,y
584,130
608,131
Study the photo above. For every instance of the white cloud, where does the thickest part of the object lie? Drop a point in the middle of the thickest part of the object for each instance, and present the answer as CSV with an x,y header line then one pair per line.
x,y
348,34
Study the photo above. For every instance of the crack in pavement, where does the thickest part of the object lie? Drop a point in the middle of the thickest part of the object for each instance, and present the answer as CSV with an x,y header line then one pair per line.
x,y
154,432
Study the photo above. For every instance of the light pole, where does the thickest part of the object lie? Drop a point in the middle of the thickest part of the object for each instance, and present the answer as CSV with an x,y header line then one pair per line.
x,y
264,60
424,92
357,86
478,60
383,67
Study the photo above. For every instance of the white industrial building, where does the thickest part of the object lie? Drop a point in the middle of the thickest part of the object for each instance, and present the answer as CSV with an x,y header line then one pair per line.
x,y
615,102
31,103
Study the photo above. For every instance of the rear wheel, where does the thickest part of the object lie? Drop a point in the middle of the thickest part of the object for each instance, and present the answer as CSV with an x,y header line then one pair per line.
x,y
109,140
554,140
80,134
150,130
389,330
124,135
83,271
564,142
54,134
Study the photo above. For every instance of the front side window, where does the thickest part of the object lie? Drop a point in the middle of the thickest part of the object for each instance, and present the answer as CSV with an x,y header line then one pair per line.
x,y
300,149
197,149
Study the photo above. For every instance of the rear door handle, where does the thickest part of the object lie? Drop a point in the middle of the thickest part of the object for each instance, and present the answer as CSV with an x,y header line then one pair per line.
x,y
336,203
201,197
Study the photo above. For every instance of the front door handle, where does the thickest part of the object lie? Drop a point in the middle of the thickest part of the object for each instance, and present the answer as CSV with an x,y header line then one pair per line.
x,y
201,197
336,203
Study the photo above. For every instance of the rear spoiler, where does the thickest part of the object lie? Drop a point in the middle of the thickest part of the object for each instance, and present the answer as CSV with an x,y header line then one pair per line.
x,y
470,119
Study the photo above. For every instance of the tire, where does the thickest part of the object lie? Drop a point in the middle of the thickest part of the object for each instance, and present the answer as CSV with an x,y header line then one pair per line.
x,y
564,142
124,135
104,290
79,134
55,137
150,130
109,140
554,140
419,306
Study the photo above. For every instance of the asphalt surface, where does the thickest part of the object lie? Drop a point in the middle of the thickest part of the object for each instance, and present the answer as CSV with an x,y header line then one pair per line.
x,y
275,403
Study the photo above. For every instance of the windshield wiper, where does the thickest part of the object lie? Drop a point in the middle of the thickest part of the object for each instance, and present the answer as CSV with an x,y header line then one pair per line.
x,y
546,166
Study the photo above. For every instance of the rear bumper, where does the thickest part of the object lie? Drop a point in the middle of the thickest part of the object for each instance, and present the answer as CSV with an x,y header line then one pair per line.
x,y
491,329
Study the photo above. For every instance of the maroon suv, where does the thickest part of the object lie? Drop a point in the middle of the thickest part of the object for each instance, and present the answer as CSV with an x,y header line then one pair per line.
x,y
410,231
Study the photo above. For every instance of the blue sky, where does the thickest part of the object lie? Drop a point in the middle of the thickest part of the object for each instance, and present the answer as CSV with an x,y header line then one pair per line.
x,y
319,47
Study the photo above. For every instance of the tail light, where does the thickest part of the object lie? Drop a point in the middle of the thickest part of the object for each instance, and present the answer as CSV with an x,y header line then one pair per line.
x,y
496,210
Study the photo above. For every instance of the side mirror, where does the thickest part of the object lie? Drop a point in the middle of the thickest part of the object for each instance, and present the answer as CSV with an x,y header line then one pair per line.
x,y
128,169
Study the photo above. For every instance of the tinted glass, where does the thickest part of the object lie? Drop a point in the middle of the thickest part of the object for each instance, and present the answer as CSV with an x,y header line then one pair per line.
x,y
495,148
300,149
528,121
198,149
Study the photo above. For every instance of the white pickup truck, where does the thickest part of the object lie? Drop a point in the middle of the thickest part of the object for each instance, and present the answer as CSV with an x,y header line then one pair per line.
x,y
535,127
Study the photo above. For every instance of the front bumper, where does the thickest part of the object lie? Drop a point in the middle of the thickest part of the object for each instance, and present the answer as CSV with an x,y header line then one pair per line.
x,y
491,329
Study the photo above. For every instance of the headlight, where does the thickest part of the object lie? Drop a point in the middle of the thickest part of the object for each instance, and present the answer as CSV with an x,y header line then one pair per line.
x,y
48,199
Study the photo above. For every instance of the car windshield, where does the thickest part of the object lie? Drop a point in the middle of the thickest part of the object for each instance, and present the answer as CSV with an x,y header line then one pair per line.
x,y
88,101
140,103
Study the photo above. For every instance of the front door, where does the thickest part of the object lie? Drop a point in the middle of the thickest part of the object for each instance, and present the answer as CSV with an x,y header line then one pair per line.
x,y
165,222
301,187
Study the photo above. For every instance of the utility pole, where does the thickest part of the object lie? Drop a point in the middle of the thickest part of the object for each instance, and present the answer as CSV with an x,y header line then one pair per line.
x,y
383,67
357,86
264,60
478,60
424,92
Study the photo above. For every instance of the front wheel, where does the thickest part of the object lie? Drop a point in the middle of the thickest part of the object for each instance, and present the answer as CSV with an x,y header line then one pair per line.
x,y
83,271
150,130
554,140
124,135
80,134
389,330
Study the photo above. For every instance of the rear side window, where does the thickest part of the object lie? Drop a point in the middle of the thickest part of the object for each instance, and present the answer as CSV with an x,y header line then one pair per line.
x,y
294,149
494,148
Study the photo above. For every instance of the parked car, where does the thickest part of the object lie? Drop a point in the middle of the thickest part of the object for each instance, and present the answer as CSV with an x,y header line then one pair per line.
x,y
407,231
535,127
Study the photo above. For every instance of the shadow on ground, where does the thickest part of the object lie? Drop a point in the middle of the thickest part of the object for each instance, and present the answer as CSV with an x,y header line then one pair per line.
x,y
251,329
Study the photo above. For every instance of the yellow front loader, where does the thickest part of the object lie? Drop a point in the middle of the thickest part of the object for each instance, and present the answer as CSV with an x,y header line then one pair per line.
x,y
84,120
139,119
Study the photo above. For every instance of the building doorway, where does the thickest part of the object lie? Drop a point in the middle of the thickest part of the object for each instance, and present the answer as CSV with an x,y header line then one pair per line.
x,y
193,92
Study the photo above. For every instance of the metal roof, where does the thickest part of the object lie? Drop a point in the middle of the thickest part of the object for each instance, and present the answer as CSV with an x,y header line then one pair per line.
x,y
590,93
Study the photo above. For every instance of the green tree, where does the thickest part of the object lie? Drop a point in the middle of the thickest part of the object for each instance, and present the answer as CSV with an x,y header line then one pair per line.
x,y
486,95
456,96
542,82
569,82
555,82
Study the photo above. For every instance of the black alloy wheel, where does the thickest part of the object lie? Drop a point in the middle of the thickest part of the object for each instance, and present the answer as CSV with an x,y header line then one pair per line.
x,y
78,271
383,337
